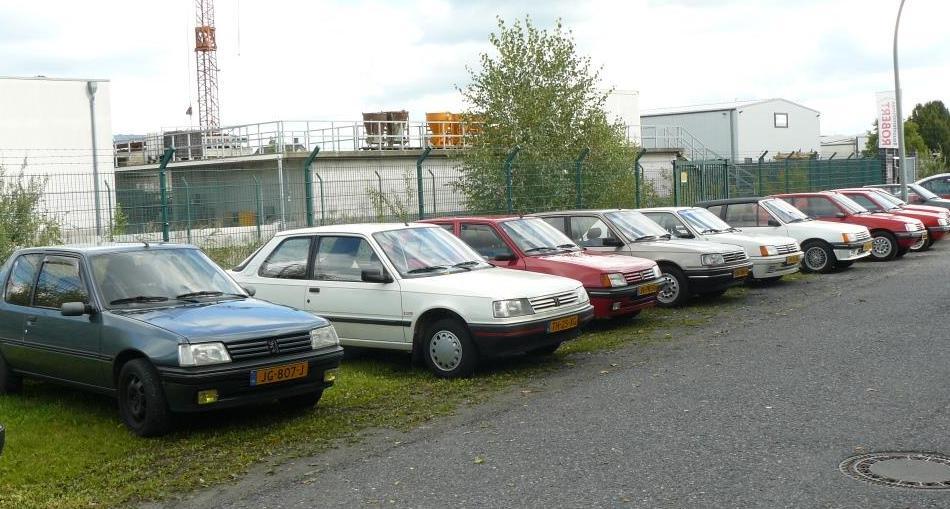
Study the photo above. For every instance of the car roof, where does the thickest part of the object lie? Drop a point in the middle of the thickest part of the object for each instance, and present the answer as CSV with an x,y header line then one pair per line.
x,y
360,228
487,219
729,201
579,212
107,247
932,177
668,209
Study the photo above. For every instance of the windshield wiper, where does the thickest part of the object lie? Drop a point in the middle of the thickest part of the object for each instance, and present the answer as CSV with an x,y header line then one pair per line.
x,y
139,298
208,293
430,268
567,246
649,237
540,248
732,229
466,265
710,230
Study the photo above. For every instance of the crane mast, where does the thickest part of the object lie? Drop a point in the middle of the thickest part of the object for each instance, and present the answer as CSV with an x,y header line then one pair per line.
x,y
206,49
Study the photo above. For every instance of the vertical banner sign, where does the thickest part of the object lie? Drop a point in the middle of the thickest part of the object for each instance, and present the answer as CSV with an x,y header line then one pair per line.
x,y
886,120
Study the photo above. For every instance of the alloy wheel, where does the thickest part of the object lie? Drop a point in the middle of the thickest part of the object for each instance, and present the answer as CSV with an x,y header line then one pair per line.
x,y
816,258
882,247
135,398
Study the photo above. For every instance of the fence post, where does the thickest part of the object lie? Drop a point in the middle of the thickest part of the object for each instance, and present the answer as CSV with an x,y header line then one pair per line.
x,y
419,186
786,175
111,215
676,184
636,176
308,183
578,165
260,206
434,204
508,179
163,189
759,172
323,204
187,208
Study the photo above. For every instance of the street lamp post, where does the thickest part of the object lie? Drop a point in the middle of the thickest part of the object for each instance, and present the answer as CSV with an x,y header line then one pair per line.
x,y
900,115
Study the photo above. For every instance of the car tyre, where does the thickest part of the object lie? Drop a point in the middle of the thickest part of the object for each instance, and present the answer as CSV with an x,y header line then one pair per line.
x,y
10,383
921,245
676,291
302,401
142,404
449,350
818,257
884,246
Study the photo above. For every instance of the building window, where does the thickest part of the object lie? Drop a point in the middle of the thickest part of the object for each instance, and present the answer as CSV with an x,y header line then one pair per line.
x,y
781,120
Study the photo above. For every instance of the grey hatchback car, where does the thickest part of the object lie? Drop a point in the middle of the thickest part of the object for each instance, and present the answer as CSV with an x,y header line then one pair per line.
x,y
161,327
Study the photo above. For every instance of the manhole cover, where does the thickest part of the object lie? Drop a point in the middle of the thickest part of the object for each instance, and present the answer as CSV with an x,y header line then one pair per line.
x,y
919,470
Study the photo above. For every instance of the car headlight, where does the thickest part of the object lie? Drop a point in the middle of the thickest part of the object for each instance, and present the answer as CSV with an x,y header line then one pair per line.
x,y
768,250
943,221
202,354
911,227
656,271
849,237
511,307
613,280
713,259
582,296
323,337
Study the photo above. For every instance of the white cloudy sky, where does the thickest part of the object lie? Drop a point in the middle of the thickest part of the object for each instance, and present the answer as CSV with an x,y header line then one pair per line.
x,y
331,60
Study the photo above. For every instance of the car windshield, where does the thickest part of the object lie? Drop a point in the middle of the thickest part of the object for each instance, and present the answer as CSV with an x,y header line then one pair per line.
x,y
922,191
850,205
636,226
704,221
534,236
150,277
890,199
421,252
784,211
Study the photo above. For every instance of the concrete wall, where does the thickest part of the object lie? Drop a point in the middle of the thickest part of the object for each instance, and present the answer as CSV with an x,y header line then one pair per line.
x,y
712,128
45,130
757,131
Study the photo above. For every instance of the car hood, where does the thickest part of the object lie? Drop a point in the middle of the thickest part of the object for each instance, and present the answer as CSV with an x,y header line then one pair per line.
x,y
493,283
827,227
881,218
600,263
751,243
231,320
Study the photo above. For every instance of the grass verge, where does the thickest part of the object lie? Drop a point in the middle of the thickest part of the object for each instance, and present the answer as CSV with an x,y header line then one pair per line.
x,y
68,449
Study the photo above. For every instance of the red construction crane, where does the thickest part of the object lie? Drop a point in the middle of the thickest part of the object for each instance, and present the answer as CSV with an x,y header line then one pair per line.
x,y
206,55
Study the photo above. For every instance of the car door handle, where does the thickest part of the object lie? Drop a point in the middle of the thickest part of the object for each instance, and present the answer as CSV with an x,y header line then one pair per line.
x,y
31,320
314,290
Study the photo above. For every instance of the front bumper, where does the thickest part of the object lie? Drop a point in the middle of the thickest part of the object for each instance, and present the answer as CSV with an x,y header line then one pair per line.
x,y
850,251
908,239
493,340
776,266
614,302
232,381
938,232
717,278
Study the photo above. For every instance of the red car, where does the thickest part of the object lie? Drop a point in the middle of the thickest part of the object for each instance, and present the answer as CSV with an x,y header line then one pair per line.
x,y
877,200
618,285
893,236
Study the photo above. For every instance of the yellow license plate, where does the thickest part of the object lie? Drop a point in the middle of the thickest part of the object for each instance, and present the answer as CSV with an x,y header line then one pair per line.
x,y
741,272
649,289
564,324
792,260
868,245
279,373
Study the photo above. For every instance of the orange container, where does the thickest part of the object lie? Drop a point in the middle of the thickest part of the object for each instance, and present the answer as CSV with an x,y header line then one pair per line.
x,y
441,127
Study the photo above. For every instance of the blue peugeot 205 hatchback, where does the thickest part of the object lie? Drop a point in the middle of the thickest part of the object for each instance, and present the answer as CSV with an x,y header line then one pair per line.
x,y
161,327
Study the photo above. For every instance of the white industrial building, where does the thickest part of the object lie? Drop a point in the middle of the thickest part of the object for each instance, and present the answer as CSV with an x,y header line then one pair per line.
x,y
742,130
841,146
46,129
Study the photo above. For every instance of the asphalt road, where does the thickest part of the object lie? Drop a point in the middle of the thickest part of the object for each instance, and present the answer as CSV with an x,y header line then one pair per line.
x,y
755,410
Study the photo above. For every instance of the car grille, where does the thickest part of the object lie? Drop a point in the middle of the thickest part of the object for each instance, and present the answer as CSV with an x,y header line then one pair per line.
x,y
787,249
864,236
553,301
735,256
638,276
261,347
918,227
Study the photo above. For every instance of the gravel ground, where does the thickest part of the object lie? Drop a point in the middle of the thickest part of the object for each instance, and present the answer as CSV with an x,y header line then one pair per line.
x,y
755,409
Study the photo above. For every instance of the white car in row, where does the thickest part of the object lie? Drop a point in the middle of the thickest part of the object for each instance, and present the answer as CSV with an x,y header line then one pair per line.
x,y
827,246
772,256
416,288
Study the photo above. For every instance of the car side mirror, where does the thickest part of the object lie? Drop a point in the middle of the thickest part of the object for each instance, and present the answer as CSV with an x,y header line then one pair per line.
x,y
249,290
375,276
611,242
840,215
681,232
503,257
75,309
773,222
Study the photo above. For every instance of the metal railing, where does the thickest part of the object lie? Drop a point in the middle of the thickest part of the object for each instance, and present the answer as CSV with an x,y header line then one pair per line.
x,y
674,137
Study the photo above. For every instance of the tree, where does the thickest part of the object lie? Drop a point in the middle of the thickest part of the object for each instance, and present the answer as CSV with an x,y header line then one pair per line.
x,y
913,142
934,122
536,92
23,221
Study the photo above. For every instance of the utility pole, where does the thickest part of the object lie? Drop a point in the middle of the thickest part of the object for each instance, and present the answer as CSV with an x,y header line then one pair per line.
x,y
900,116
